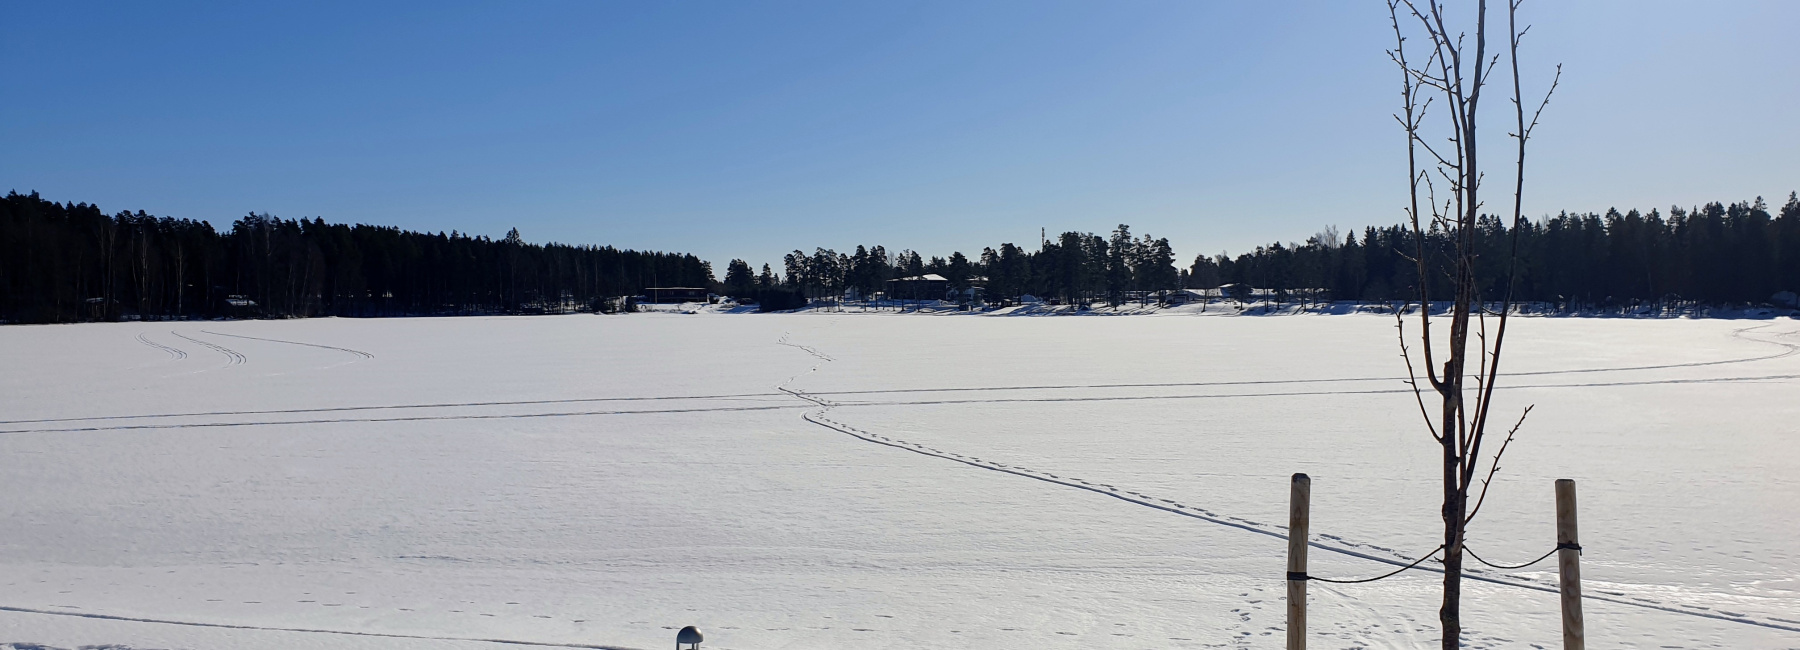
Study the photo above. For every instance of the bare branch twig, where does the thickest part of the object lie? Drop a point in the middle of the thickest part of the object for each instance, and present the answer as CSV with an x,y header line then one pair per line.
x,y
1495,467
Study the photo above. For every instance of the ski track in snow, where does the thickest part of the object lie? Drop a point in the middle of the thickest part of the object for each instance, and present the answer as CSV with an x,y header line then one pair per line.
x,y
358,353
174,354
412,418
745,396
440,405
1339,545
229,626
232,357
1788,349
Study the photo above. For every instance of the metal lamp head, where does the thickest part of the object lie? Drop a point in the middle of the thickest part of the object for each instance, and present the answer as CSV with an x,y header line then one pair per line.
x,y
688,636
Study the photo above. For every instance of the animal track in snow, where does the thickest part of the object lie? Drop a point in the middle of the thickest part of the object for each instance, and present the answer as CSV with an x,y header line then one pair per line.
x,y
1338,545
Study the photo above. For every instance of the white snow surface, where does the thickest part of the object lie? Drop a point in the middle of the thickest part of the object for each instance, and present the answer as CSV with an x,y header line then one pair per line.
x,y
826,480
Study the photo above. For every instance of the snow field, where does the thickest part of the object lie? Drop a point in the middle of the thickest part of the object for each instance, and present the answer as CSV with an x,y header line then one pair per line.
x,y
590,480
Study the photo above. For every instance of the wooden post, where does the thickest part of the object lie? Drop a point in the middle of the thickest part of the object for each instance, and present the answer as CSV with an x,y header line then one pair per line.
x,y
1568,562
1298,515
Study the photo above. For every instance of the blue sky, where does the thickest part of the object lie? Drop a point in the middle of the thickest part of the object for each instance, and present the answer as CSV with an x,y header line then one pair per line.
x,y
739,129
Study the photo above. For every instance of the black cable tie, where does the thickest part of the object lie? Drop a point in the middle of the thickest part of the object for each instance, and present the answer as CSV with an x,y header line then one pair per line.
x,y
1298,575
1572,546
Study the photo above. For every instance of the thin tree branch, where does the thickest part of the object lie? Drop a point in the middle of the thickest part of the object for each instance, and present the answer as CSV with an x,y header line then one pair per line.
x,y
1412,377
1495,467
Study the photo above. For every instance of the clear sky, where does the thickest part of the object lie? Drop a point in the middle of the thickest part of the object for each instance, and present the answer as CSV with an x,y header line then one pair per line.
x,y
748,129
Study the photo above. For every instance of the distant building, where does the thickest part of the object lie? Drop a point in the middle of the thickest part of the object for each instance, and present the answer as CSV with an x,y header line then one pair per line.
x,y
1187,296
1238,292
672,295
1247,293
930,286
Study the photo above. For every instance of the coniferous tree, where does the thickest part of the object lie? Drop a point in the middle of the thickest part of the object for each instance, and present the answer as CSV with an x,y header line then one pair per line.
x,y
957,271
739,281
1119,260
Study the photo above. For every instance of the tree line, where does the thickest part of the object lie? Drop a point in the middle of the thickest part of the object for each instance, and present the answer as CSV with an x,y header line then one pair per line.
x,y
1717,253
1075,267
72,262
1713,254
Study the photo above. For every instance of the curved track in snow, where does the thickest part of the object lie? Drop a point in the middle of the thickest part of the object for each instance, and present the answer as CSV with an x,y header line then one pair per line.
x,y
174,353
818,416
232,357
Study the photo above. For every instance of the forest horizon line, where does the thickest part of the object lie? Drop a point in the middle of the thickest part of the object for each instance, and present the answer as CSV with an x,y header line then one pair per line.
x,y
72,262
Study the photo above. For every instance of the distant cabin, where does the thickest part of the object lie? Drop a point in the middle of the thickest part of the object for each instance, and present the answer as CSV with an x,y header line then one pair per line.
x,y
930,286
1247,293
1189,296
672,295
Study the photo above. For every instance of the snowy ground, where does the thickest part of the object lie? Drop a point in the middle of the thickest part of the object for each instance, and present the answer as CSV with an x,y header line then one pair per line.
x,y
603,480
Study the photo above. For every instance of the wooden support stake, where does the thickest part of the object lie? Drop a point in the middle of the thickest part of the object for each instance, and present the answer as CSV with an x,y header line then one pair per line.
x,y
1298,515
1568,562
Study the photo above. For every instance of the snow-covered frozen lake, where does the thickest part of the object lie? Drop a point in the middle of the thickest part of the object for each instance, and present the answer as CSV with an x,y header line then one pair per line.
x,y
604,480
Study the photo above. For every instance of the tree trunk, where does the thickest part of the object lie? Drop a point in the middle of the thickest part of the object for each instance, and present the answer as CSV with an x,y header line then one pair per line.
x,y
1450,615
